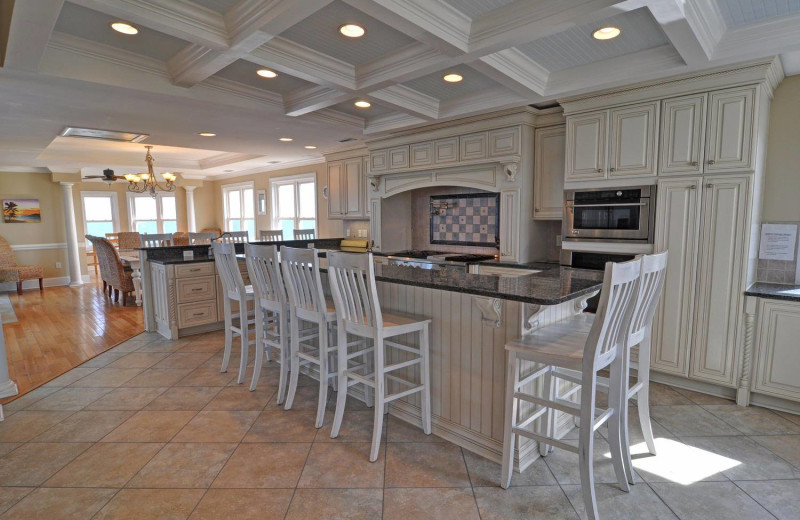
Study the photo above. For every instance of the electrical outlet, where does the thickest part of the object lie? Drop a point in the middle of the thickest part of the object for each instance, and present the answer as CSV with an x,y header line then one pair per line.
x,y
348,233
558,240
58,265
363,233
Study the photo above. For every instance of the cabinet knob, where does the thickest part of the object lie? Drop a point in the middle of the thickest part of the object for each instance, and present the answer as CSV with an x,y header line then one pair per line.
x,y
599,170
694,163
692,187
709,185
612,169
711,161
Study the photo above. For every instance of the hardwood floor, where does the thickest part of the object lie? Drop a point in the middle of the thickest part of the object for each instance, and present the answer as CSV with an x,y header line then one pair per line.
x,y
60,328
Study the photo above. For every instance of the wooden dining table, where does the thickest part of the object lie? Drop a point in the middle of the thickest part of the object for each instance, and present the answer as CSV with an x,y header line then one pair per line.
x,y
131,258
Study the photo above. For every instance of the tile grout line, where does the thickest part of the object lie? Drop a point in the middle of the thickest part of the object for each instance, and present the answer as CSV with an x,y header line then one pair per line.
x,y
754,500
471,486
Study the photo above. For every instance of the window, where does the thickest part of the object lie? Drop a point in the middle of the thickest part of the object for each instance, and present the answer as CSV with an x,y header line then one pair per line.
x,y
239,208
100,213
153,215
294,203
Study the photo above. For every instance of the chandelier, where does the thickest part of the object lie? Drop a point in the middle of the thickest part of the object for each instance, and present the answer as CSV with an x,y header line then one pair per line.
x,y
147,182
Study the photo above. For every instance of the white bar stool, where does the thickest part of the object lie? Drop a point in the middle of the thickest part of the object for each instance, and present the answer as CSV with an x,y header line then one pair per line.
x,y
271,311
583,343
233,237
307,303
234,290
352,279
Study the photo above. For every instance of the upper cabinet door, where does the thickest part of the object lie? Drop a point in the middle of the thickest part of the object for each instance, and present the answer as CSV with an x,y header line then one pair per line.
x,y
379,161
632,141
548,174
353,198
398,158
504,141
422,154
730,130
682,135
473,146
335,208
586,146
445,151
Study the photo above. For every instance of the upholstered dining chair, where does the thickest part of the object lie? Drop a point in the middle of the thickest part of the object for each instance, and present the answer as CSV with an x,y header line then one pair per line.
x,y
11,271
129,240
180,238
117,277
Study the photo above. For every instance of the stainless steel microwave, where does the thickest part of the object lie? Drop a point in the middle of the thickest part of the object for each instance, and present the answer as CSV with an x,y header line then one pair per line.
x,y
611,215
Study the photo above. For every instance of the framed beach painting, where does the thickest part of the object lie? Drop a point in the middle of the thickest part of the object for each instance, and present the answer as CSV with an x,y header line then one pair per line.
x,y
21,211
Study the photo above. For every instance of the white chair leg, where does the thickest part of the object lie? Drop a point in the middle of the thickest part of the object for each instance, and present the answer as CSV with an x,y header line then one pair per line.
x,y
380,394
425,378
323,374
369,392
586,451
548,419
643,404
341,397
226,356
244,337
616,397
510,421
284,355
260,346
294,360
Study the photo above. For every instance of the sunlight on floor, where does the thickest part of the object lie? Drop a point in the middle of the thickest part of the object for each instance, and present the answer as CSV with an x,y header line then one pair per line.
x,y
678,462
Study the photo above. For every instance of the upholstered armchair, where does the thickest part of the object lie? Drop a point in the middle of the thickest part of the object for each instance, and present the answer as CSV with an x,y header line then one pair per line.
x,y
116,277
11,271
129,240
180,238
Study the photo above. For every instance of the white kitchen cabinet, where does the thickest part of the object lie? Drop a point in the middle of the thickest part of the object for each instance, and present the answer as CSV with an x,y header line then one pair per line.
x,y
335,209
421,154
398,157
346,189
730,130
503,142
549,146
720,277
445,151
474,146
375,223
586,146
365,167
677,231
379,161
632,140
509,224
777,361
682,135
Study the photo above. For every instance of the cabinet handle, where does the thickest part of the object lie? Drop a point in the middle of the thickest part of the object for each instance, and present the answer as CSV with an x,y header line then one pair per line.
x,y
612,170
709,185
198,314
692,187
599,170
196,289
711,161
694,163
193,270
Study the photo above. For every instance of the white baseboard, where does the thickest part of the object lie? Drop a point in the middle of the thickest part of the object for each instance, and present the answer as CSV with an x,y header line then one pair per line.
x,y
57,281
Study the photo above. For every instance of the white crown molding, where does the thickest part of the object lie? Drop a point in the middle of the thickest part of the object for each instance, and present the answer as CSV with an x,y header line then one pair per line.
x,y
437,18
225,159
268,168
407,63
773,36
392,122
409,100
194,63
193,176
241,90
493,99
316,97
329,115
39,247
520,69
24,169
28,32
108,54
706,22
181,18
305,63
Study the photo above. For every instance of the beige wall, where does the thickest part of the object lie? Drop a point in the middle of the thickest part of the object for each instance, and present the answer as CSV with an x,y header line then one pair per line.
x,y
782,182
325,228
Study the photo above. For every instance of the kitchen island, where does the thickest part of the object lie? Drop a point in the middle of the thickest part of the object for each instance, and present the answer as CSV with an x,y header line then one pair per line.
x,y
472,316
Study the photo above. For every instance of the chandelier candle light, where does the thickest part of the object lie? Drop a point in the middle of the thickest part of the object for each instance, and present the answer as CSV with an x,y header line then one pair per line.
x,y
146,182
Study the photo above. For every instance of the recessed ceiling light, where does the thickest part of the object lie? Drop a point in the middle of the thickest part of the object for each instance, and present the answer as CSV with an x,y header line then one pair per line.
x,y
606,33
352,30
124,28
309,147
266,73
286,139
207,134
362,104
452,77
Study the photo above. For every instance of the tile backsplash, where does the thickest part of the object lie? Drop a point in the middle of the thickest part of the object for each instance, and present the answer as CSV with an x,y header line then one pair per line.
x,y
465,219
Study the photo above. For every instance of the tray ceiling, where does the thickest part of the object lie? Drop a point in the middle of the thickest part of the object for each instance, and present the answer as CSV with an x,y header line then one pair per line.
x,y
192,67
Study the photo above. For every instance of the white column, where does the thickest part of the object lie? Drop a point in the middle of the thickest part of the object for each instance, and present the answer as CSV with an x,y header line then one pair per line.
x,y
190,208
73,257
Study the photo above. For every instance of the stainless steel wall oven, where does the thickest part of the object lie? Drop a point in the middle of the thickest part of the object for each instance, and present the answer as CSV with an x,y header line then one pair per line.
x,y
610,215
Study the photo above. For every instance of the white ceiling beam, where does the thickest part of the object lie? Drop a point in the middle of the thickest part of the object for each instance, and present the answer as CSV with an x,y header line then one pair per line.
x,y
180,18
526,20
706,21
306,100
520,73
392,122
767,38
29,30
408,100
614,72
305,63
410,62
496,98
250,24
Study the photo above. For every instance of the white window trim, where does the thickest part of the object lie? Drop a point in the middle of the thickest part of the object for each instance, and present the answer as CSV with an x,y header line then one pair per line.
x,y
159,221
114,211
237,186
291,179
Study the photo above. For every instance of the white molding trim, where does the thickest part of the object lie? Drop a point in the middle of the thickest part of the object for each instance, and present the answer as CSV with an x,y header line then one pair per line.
x,y
407,63
437,18
316,97
523,72
305,63
40,247
392,122
409,100
57,281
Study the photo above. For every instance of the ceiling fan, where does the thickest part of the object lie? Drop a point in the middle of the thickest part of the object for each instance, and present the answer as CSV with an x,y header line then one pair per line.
x,y
108,176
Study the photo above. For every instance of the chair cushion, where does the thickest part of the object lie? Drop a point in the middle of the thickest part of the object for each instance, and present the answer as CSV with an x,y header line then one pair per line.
x,y
560,344
21,273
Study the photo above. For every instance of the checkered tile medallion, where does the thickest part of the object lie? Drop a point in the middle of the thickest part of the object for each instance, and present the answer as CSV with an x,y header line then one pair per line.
x,y
470,220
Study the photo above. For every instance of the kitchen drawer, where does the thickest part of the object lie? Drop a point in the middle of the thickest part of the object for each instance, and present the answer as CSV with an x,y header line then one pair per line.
x,y
196,288
196,269
194,314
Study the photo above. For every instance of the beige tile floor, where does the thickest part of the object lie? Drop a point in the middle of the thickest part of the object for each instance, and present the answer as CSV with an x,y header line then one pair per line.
x,y
153,430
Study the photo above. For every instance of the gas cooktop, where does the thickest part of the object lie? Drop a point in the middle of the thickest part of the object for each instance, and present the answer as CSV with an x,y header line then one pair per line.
x,y
421,254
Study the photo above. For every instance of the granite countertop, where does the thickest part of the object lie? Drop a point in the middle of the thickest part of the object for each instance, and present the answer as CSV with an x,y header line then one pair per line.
x,y
775,291
516,265
167,261
549,287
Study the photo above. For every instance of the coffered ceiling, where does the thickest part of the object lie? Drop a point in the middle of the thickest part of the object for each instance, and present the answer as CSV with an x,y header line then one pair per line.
x,y
193,66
